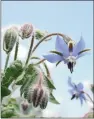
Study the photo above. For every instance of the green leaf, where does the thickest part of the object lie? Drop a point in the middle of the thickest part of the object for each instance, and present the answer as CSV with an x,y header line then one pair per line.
x,y
4,91
19,79
29,77
49,83
11,73
52,99
39,34
7,113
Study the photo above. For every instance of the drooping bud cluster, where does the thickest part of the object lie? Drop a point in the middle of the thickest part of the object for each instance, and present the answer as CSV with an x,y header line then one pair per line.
x,y
10,38
26,31
39,94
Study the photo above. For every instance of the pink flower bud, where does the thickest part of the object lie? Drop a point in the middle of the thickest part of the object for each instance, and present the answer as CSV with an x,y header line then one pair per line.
x,y
44,101
26,31
39,94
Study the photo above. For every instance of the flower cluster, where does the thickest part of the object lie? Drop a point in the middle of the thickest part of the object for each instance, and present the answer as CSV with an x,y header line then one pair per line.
x,y
36,87
38,93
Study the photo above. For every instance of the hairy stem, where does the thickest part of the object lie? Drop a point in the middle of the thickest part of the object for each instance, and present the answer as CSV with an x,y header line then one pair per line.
x,y
89,97
52,34
7,59
16,50
41,61
30,49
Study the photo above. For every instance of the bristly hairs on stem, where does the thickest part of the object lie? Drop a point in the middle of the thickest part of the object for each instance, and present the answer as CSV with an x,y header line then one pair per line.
x,y
52,34
30,49
16,49
44,64
89,97
7,59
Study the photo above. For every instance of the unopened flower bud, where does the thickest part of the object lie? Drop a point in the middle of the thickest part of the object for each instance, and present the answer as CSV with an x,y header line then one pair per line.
x,y
26,31
37,96
44,101
37,93
40,34
10,38
24,105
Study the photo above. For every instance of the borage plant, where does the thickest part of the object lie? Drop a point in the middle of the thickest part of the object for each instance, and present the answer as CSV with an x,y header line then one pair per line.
x,y
36,84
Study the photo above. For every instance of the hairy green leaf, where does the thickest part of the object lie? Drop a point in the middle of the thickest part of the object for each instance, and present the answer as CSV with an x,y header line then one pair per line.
x,y
4,91
52,99
11,73
29,77
19,80
49,83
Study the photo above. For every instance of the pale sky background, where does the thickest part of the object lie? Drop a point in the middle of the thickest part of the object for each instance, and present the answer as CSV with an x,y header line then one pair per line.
x,y
70,18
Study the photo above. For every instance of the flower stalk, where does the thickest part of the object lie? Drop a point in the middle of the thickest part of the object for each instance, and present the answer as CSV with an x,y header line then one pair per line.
x,y
7,60
16,50
30,49
89,97
52,34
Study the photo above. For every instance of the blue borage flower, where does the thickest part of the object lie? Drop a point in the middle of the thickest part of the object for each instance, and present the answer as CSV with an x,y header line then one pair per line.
x,y
76,91
67,53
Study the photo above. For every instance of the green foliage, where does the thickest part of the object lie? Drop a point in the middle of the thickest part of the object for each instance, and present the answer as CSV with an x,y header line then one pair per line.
x,y
19,80
4,91
49,83
11,73
53,100
40,34
26,78
10,110
29,78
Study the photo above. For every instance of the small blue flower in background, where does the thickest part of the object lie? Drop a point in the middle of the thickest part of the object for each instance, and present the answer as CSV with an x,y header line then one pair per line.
x,y
67,53
76,91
